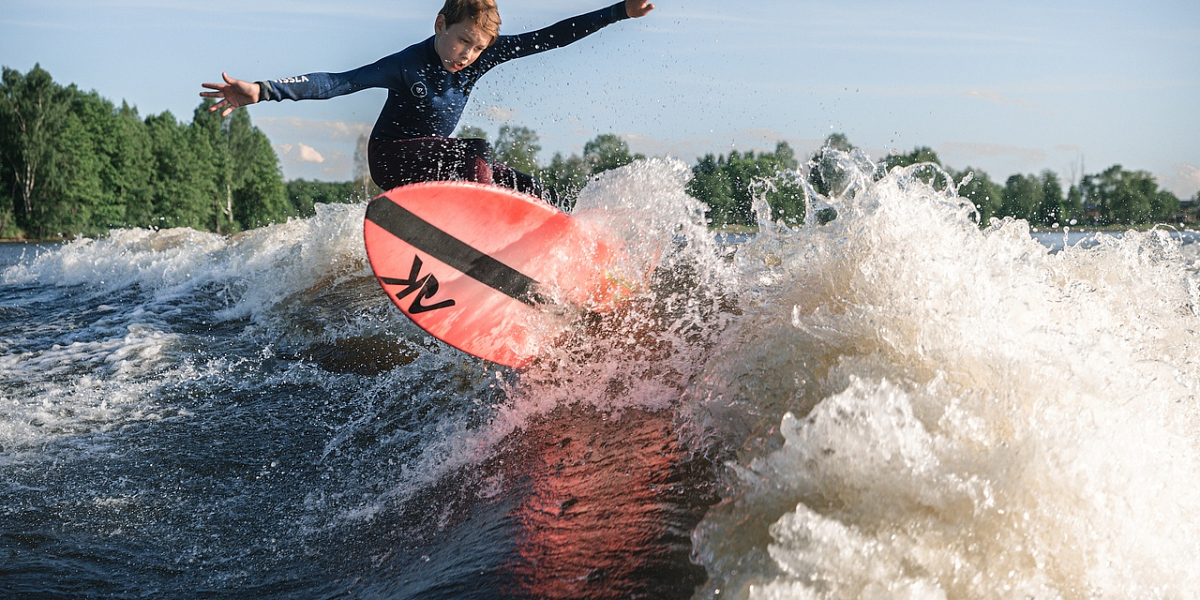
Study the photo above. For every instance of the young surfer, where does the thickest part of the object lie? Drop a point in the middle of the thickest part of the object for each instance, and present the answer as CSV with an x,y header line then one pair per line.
x,y
428,86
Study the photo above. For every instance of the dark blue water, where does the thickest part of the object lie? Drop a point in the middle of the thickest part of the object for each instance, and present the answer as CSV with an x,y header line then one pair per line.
x,y
893,404
167,433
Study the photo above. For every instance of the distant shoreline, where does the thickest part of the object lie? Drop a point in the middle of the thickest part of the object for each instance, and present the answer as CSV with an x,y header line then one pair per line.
x,y
747,230
1117,228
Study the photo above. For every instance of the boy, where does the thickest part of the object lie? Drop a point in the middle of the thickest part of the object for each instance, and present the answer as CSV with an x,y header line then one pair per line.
x,y
428,86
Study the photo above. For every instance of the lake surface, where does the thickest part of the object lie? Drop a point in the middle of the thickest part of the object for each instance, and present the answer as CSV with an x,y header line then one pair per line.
x,y
895,404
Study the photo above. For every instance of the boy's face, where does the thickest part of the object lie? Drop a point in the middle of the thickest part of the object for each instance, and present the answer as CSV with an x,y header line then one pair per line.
x,y
458,45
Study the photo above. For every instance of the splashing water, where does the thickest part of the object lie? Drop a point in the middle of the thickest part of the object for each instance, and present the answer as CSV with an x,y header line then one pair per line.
x,y
899,405
935,411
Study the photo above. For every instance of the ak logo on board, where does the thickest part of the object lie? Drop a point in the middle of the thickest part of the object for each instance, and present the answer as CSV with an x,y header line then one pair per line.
x,y
426,288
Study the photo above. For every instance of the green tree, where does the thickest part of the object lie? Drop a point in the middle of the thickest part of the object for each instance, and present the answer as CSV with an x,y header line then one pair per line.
x,y
131,164
711,185
1073,205
1164,207
517,148
75,163
606,152
33,113
918,155
779,170
565,177
1022,197
206,139
111,177
80,204
921,155
469,131
1052,208
184,185
304,195
986,194
729,186
66,154
259,196
1128,197
827,174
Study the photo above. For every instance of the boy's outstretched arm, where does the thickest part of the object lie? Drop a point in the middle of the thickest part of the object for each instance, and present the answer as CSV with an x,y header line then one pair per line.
x,y
638,8
233,93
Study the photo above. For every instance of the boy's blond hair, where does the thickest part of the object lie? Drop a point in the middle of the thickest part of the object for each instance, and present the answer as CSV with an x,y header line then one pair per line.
x,y
483,13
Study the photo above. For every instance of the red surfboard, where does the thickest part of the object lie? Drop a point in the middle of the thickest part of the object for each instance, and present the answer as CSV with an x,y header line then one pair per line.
x,y
492,272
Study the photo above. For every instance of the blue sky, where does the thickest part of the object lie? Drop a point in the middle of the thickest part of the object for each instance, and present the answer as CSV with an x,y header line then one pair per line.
x,y
1009,87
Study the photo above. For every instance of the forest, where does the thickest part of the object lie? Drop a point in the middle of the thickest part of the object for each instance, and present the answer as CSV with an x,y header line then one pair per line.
x,y
74,163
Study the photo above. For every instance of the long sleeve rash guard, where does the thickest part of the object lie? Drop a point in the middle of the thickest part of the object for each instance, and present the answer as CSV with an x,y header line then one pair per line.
x,y
424,99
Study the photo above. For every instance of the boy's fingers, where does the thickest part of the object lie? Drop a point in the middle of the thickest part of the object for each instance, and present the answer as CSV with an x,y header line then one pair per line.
x,y
640,9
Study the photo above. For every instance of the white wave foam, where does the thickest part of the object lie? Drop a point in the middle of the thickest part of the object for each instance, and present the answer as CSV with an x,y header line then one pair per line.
x,y
74,377
81,386
635,359
937,411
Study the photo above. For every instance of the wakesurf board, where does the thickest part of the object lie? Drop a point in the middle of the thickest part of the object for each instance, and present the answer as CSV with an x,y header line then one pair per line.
x,y
495,273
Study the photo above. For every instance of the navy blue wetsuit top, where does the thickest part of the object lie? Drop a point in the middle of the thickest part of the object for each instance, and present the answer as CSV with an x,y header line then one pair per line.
x,y
424,99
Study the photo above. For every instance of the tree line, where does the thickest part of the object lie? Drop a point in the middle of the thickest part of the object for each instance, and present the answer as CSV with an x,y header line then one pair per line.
x,y
564,176
730,184
76,164
1114,196
517,147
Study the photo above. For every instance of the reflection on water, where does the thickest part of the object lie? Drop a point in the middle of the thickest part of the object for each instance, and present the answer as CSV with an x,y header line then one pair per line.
x,y
577,505
608,508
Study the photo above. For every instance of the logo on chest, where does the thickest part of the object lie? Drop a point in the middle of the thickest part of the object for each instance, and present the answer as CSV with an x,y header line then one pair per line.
x,y
420,90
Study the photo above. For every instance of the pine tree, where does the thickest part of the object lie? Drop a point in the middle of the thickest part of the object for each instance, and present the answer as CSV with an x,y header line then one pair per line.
x,y
33,111
259,196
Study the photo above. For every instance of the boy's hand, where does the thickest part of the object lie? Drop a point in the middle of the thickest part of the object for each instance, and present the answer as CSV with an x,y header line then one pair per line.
x,y
637,8
233,93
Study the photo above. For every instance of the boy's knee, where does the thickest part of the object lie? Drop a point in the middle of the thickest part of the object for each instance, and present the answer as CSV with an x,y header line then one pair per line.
x,y
515,180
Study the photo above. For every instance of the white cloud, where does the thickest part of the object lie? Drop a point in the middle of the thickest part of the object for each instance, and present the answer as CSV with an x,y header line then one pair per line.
x,y
301,153
1184,181
296,127
502,114
310,154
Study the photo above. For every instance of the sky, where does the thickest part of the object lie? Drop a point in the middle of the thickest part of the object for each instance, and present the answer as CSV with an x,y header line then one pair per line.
x,y
1003,87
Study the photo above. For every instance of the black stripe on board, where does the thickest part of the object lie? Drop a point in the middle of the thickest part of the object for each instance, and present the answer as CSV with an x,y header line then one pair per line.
x,y
405,225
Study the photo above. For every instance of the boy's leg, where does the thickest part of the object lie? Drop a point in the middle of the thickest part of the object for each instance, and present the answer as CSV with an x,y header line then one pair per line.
x,y
516,180
394,163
